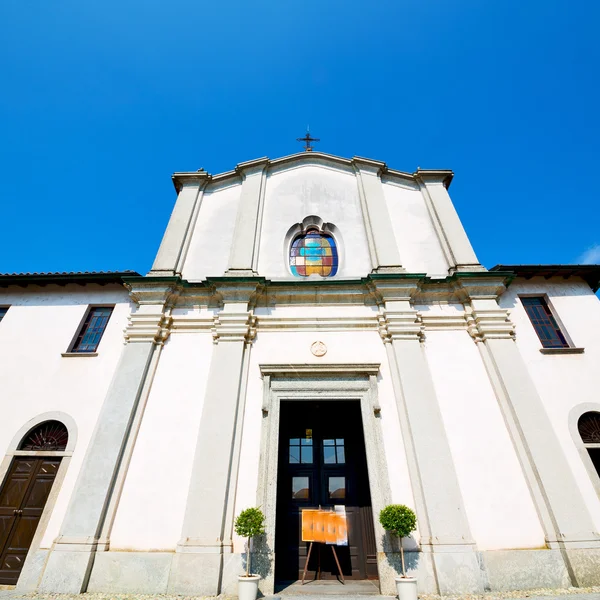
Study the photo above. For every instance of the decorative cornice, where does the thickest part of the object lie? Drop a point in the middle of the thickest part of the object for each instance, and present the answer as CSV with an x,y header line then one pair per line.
x,y
442,176
199,177
155,297
234,327
375,289
275,323
400,325
484,324
322,369
143,327
482,288
312,158
233,289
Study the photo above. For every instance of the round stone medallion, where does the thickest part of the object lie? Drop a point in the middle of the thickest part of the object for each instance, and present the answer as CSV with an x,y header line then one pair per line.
x,y
318,349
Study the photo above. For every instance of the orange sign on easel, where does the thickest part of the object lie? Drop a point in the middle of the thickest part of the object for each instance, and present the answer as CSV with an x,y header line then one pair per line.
x,y
325,526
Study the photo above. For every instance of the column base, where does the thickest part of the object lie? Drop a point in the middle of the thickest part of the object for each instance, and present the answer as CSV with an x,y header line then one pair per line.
x,y
67,572
524,569
585,563
195,574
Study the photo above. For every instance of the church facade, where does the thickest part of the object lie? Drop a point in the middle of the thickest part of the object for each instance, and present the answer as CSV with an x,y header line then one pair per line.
x,y
314,331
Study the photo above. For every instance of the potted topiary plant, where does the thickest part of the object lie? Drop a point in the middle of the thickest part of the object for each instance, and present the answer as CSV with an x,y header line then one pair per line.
x,y
249,524
401,521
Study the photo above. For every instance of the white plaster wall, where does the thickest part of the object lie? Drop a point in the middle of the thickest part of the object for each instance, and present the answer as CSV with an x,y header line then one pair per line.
x,y
34,378
563,381
342,347
152,505
418,243
499,508
299,192
210,246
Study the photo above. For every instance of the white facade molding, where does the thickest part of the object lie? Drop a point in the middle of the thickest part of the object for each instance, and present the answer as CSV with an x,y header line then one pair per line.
x,y
380,235
485,318
322,382
171,254
243,259
452,235
152,321
319,369
230,326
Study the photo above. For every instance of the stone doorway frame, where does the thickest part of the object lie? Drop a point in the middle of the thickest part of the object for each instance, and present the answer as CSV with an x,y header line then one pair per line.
x,y
330,382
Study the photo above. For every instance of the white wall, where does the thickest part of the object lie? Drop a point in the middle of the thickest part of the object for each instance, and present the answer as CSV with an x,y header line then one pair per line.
x,y
152,506
302,190
211,241
418,244
294,194
499,507
34,378
563,381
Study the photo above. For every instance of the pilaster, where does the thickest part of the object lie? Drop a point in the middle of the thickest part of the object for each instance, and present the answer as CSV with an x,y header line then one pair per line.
x,y
383,247
443,525
207,528
453,237
171,253
563,513
71,560
243,259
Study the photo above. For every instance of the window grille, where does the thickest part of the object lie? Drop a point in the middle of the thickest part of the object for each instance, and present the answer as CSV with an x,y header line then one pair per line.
x,y
589,430
544,323
92,329
50,435
314,253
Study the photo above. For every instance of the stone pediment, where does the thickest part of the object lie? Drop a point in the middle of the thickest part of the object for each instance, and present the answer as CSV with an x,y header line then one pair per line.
x,y
319,159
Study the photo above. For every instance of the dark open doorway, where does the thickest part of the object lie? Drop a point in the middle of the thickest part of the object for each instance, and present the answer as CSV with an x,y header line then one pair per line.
x,y
322,462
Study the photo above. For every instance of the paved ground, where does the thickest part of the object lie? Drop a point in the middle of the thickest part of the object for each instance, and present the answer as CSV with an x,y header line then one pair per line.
x,y
349,593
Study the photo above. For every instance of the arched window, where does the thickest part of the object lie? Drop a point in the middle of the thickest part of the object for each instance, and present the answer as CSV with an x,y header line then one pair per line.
x,y
589,430
314,252
50,435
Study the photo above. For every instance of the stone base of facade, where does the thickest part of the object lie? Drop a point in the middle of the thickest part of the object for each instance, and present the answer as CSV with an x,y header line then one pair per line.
x,y
210,574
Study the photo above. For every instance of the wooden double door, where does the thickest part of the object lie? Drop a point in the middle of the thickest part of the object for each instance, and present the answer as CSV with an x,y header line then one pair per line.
x,y
322,462
22,499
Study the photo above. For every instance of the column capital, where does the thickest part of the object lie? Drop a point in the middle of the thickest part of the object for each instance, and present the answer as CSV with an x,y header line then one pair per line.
x,y
485,319
480,286
236,290
155,297
397,287
198,179
233,326
252,167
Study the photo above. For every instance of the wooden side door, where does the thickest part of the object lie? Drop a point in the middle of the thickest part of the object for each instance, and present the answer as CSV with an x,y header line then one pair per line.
x,y
22,500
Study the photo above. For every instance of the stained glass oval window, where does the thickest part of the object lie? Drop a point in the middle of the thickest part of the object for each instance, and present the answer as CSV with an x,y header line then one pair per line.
x,y
51,435
314,252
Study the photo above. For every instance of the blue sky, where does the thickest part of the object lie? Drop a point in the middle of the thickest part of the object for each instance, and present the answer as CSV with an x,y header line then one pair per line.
x,y
102,101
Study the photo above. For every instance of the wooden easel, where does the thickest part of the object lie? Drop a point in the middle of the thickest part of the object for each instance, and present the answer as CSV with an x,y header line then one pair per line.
x,y
337,562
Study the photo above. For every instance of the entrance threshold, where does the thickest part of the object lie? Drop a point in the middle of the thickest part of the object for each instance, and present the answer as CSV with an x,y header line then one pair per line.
x,y
320,588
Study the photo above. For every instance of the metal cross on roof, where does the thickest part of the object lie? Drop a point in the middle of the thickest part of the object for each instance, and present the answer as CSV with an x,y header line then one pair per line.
x,y
307,139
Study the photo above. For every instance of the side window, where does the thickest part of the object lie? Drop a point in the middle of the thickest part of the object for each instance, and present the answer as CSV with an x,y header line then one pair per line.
x,y
91,331
589,430
3,311
543,322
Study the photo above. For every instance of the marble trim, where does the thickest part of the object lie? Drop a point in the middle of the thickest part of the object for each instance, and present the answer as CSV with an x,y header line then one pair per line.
x,y
304,382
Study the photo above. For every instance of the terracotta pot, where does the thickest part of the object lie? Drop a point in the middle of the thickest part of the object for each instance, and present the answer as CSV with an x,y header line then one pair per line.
x,y
407,588
248,587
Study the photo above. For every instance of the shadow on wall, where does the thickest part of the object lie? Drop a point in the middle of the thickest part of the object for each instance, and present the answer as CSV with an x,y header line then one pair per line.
x,y
261,557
